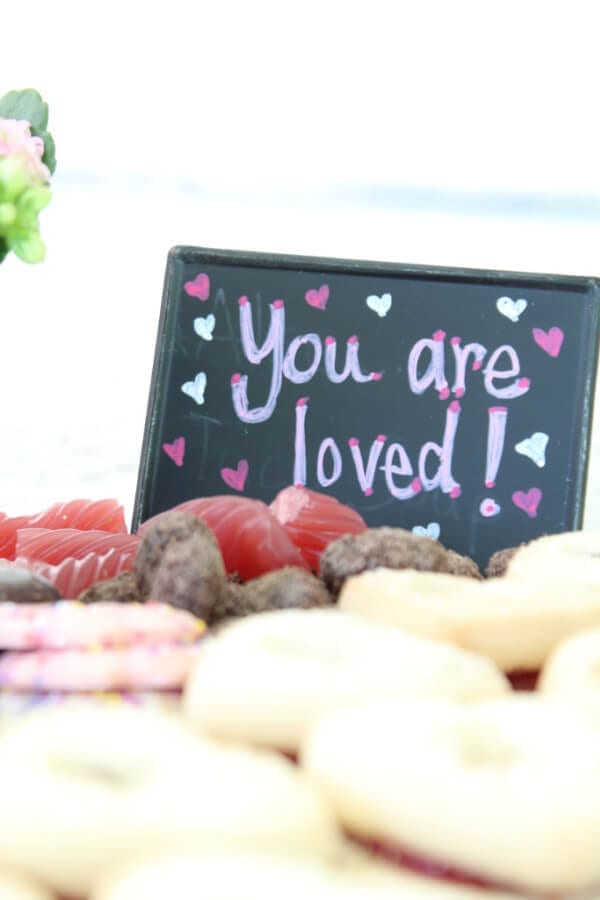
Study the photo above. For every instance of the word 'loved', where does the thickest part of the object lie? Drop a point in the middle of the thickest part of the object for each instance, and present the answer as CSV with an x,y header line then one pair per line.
x,y
402,479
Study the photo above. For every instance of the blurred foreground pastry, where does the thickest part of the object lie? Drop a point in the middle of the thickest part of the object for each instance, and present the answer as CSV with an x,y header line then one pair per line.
x,y
85,788
265,679
503,794
517,623
222,877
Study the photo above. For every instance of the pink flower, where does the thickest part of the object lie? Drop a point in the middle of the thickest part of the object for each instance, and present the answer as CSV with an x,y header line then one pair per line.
x,y
16,140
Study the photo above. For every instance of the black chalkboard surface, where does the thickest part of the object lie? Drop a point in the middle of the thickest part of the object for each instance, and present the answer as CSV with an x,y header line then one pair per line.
x,y
452,402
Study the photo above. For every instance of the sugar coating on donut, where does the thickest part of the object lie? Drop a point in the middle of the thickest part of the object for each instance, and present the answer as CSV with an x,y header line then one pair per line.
x,y
426,777
498,562
120,589
191,575
287,588
516,622
462,565
70,624
393,548
167,531
265,679
86,788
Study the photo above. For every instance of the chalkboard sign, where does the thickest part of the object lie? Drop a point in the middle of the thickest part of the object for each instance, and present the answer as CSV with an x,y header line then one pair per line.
x,y
451,402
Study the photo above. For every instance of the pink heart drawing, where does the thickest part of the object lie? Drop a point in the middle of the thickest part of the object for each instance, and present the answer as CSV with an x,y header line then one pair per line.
x,y
550,341
199,287
176,450
236,478
318,298
529,501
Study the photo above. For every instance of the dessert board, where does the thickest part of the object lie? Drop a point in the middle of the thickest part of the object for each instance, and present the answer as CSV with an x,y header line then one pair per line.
x,y
453,402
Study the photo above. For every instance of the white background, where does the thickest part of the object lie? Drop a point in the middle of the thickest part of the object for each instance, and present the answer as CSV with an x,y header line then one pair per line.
x,y
452,133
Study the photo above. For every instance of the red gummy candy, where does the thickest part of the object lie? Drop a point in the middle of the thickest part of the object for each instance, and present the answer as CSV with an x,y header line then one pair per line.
x,y
72,577
313,520
53,545
252,541
85,515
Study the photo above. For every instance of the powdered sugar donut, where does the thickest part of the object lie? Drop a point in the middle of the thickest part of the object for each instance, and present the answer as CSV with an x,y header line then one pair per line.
x,y
264,679
13,704
503,792
85,788
517,623
227,877
70,624
161,667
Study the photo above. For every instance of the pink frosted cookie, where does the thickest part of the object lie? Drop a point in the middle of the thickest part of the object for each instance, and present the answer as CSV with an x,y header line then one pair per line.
x,y
69,625
14,704
162,667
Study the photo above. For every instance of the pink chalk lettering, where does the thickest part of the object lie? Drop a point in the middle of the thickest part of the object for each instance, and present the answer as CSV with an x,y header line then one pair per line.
x,y
550,341
443,478
290,370
495,444
434,374
402,468
329,446
300,442
461,357
366,475
528,501
351,365
491,373
273,345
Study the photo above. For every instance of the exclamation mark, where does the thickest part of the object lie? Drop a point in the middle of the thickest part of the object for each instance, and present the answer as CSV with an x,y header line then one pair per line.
x,y
495,445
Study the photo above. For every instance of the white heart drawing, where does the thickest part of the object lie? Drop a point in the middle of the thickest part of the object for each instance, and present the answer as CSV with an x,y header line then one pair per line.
x,y
489,508
204,326
196,388
432,530
510,308
534,447
380,305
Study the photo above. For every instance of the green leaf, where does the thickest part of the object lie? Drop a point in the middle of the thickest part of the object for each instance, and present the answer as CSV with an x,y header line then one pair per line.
x,y
49,157
27,105
3,249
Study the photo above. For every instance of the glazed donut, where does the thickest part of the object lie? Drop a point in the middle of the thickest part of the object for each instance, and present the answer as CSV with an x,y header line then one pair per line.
x,y
517,623
264,679
224,877
85,788
503,793
70,624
